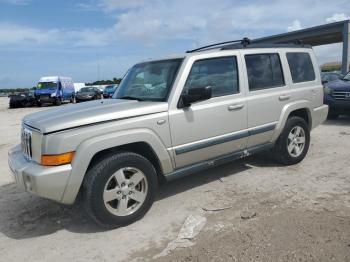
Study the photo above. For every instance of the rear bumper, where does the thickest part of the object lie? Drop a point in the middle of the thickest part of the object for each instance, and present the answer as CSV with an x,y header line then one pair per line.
x,y
46,182
319,115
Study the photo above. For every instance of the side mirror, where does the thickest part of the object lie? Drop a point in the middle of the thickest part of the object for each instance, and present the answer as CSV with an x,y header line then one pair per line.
x,y
324,82
195,95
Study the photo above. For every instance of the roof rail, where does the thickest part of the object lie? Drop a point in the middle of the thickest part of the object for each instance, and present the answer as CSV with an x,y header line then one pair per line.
x,y
245,41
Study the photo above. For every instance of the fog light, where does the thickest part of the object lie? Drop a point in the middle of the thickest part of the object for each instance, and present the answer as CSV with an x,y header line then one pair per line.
x,y
57,160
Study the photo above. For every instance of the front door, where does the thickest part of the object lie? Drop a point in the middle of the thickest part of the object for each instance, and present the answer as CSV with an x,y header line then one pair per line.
x,y
214,127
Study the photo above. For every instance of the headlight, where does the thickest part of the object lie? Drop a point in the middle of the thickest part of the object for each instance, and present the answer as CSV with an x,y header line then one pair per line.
x,y
53,94
327,90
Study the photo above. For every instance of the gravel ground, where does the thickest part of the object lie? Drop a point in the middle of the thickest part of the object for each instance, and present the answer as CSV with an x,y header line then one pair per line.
x,y
270,212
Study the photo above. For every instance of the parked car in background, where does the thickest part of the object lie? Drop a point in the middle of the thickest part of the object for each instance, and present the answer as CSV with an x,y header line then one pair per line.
x,y
109,91
330,76
337,96
54,90
23,99
88,94
170,118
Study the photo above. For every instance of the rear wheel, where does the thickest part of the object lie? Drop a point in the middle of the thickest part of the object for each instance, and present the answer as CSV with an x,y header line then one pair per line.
x,y
72,99
120,189
293,143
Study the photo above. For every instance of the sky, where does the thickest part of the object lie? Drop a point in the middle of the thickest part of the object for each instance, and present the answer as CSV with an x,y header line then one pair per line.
x,y
100,39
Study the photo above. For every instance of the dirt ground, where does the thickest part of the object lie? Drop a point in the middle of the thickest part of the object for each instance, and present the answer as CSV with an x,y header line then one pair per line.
x,y
296,213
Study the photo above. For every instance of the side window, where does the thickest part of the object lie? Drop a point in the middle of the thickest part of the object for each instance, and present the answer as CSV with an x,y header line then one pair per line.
x,y
219,73
301,67
264,71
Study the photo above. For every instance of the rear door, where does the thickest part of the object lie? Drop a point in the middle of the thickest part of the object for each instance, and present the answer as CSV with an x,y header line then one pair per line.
x,y
267,93
214,127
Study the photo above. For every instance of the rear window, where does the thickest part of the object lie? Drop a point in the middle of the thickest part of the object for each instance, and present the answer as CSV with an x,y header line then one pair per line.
x,y
264,71
301,67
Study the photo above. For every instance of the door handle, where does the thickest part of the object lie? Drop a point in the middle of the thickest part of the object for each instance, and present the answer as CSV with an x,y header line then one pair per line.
x,y
235,107
284,97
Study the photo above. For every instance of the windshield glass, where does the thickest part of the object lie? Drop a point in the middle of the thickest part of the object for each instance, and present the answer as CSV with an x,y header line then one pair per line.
x,y
150,81
47,85
347,77
109,88
87,89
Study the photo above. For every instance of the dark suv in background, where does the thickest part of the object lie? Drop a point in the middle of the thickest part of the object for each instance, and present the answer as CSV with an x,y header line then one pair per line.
x,y
337,96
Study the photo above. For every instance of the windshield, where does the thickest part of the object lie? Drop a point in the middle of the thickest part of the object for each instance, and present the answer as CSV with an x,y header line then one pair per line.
x,y
47,85
87,89
109,88
347,76
150,81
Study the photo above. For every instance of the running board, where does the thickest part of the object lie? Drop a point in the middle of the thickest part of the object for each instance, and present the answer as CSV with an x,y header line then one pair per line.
x,y
187,170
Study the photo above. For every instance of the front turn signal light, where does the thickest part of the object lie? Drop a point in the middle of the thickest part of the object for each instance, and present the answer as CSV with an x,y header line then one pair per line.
x,y
57,160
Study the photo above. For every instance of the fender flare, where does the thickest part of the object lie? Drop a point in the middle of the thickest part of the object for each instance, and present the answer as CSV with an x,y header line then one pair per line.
x,y
88,148
286,110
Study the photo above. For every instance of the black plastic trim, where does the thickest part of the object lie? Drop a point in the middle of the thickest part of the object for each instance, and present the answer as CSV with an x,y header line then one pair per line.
x,y
226,139
187,170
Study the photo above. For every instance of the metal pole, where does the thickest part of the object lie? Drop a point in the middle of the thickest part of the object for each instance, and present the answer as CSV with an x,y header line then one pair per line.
x,y
346,48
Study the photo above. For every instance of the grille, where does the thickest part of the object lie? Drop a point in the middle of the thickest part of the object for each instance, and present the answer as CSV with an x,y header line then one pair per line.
x,y
341,95
44,97
26,142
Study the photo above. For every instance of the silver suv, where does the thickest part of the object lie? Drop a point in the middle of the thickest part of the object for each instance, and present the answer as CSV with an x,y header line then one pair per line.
x,y
170,118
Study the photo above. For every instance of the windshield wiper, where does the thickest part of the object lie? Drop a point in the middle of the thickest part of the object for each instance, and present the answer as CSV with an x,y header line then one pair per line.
x,y
131,98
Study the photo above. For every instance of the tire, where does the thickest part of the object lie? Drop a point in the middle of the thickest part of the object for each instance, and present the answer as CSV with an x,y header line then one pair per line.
x,y
58,101
101,178
299,150
332,115
38,104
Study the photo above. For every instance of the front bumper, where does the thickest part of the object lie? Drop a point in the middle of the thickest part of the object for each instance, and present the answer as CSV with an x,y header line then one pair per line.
x,y
84,98
337,104
319,115
46,182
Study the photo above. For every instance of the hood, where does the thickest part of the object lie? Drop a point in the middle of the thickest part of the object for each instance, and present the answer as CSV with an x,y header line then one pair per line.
x,y
339,85
74,115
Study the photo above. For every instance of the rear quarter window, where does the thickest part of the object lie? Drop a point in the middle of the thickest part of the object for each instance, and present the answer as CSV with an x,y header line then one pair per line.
x,y
301,67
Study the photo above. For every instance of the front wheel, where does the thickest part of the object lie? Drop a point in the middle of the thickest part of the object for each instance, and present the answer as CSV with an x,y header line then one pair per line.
x,y
58,101
294,141
120,189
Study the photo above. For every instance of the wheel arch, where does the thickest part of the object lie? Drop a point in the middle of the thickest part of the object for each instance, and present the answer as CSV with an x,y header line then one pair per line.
x,y
300,108
142,141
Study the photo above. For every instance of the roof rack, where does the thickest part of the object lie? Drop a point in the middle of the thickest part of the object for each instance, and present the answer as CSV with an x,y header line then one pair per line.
x,y
245,41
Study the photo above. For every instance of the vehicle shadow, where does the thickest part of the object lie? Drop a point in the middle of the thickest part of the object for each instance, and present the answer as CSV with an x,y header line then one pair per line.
x,y
26,216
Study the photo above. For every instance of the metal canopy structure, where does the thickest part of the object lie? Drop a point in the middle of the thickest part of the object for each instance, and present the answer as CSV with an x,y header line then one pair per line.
x,y
319,35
